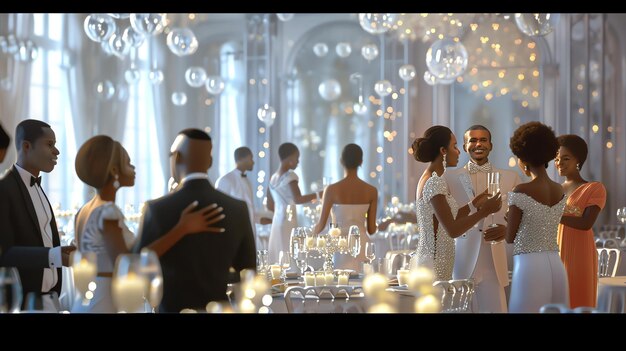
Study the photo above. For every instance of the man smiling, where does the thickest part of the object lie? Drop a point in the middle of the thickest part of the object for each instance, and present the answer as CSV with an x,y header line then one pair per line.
x,y
481,252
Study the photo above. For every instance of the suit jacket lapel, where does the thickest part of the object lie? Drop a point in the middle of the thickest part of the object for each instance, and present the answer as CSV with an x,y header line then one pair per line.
x,y
28,202
53,224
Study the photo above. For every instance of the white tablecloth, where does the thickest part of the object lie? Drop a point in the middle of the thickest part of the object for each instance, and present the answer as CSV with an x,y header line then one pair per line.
x,y
612,294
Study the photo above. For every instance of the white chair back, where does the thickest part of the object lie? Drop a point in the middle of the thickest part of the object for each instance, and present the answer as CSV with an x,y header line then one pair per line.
x,y
607,266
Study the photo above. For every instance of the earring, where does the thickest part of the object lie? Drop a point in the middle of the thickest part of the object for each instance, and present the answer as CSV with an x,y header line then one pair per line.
x,y
445,164
578,166
525,168
116,183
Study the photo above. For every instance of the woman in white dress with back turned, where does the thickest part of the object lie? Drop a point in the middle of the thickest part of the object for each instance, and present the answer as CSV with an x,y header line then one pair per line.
x,y
353,202
283,194
104,164
535,209
439,217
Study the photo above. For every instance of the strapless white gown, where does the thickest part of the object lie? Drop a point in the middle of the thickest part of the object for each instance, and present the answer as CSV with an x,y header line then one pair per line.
x,y
347,215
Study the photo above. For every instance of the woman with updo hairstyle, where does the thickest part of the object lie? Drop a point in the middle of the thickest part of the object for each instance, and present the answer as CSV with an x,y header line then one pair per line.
x,y
535,209
104,164
350,201
585,200
440,219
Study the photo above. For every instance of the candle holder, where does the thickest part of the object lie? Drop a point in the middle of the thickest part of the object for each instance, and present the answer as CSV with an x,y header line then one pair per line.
x,y
84,269
335,242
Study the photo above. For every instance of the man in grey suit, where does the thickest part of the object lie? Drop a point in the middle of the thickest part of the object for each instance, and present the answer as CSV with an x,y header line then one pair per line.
x,y
196,269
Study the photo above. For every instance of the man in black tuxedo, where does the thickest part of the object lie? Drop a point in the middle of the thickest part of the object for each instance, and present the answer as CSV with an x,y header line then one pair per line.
x,y
196,269
29,239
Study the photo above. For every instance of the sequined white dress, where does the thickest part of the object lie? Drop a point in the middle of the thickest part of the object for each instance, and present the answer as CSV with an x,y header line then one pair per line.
x,y
435,250
539,276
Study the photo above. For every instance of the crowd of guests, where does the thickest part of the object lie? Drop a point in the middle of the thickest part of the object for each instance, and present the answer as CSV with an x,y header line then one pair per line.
x,y
200,232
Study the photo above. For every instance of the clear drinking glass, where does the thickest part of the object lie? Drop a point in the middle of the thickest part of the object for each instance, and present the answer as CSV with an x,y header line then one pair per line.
x,y
354,240
370,251
621,215
10,290
129,285
150,268
84,270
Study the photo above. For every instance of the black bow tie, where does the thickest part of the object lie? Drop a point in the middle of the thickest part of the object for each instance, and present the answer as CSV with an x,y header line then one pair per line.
x,y
244,175
34,180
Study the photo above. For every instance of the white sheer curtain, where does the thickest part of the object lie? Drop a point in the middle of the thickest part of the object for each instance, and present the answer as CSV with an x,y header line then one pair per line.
x,y
232,124
14,92
86,65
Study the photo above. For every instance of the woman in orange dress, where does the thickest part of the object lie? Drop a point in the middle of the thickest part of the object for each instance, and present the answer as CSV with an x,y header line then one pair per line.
x,y
576,242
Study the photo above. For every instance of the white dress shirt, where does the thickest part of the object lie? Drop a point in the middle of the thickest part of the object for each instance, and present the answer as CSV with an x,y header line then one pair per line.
x,y
44,217
233,184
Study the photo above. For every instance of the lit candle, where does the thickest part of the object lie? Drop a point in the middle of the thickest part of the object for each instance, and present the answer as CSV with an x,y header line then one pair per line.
x,y
403,276
343,278
310,242
334,232
374,284
84,273
309,279
421,278
321,242
275,271
395,201
320,278
427,304
343,243
330,278
382,307
128,292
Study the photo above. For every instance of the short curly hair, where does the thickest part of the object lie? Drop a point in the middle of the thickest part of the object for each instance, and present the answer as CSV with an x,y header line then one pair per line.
x,y
576,145
534,143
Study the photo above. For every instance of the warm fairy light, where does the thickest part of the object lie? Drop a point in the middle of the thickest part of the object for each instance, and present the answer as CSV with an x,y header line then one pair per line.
x,y
609,144
394,96
512,161
390,160
252,81
266,145
379,149
373,174
262,130
379,168
581,110
579,87
410,151
595,128
261,154
609,129
516,120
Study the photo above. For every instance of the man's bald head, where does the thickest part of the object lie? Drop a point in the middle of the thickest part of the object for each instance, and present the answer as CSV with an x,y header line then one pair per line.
x,y
190,152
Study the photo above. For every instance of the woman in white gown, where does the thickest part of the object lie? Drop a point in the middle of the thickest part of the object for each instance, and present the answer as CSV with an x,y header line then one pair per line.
x,y
439,217
353,202
283,194
104,164
535,209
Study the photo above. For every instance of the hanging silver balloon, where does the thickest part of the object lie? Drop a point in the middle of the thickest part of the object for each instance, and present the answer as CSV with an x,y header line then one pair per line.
x,y
536,24
119,46
377,23
134,38
329,90
182,41
148,23
104,90
266,114
179,98
28,51
446,58
383,88
215,85
369,52
320,49
99,27
406,72
343,49
155,76
359,107
195,76
285,16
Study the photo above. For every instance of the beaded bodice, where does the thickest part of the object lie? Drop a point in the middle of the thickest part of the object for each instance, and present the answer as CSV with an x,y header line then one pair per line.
x,y
435,249
539,224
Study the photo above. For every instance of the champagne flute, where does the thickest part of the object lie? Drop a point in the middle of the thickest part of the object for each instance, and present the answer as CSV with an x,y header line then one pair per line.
x,y
285,262
493,187
354,240
370,251
150,268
